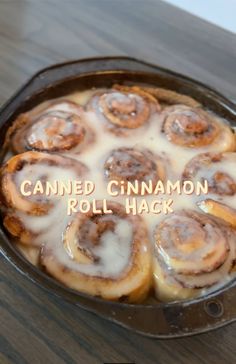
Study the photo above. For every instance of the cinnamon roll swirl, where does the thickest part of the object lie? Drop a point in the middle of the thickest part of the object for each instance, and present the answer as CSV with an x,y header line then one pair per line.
x,y
193,251
59,127
130,165
217,168
103,255
196,128
31,166
219,171
123,109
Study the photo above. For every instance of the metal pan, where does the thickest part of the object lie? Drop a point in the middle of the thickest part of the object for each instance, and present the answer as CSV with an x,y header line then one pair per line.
x,y
158,320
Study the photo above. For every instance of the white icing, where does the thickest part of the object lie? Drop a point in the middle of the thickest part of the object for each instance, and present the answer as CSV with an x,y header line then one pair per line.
x,y
115,247
228,166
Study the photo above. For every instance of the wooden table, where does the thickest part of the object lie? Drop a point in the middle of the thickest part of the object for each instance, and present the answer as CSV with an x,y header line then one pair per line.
x,y
37,328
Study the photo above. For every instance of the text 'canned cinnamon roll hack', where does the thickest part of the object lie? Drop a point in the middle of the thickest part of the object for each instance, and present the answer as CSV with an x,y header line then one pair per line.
x,y
112,144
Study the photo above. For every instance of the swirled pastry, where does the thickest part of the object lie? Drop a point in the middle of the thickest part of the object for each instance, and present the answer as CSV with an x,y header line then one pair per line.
x,y
219,171
196,128
31,166
130,165
217,168
103,255
122,110
192,251
59,127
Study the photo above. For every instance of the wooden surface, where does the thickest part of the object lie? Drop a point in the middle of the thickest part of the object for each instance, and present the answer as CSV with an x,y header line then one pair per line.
x,y
36,327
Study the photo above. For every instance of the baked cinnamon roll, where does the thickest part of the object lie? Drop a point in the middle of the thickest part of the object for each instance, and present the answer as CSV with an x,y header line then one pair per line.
x,y
219,171
169,97
31,167
196,128
103,255
193,251
59,127
129,165
123,109
219,209
217,168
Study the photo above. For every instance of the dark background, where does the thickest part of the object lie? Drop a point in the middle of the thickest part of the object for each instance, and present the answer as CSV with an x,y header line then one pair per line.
x,y
36,327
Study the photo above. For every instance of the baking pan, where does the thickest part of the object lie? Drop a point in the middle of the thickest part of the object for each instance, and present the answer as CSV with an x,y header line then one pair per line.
x,y
160,320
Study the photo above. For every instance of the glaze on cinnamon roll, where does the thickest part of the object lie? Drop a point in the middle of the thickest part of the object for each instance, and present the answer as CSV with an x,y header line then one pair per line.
x,y
32,167
220,172
137,140
217,168
130,165
193,251
59,127
120,110
196,128
103,255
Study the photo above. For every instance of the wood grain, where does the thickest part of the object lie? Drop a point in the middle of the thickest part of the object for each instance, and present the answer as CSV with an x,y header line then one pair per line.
x,y
36,327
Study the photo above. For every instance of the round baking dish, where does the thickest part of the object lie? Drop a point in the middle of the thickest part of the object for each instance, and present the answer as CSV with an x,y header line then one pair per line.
x,y
161,320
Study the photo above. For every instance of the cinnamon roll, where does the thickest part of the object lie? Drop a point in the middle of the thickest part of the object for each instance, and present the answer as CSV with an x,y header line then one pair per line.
x,y
59,127
169,97
103,255
219,171
193,251
130,164
217,168
123,109
31,166
196,128
219,209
